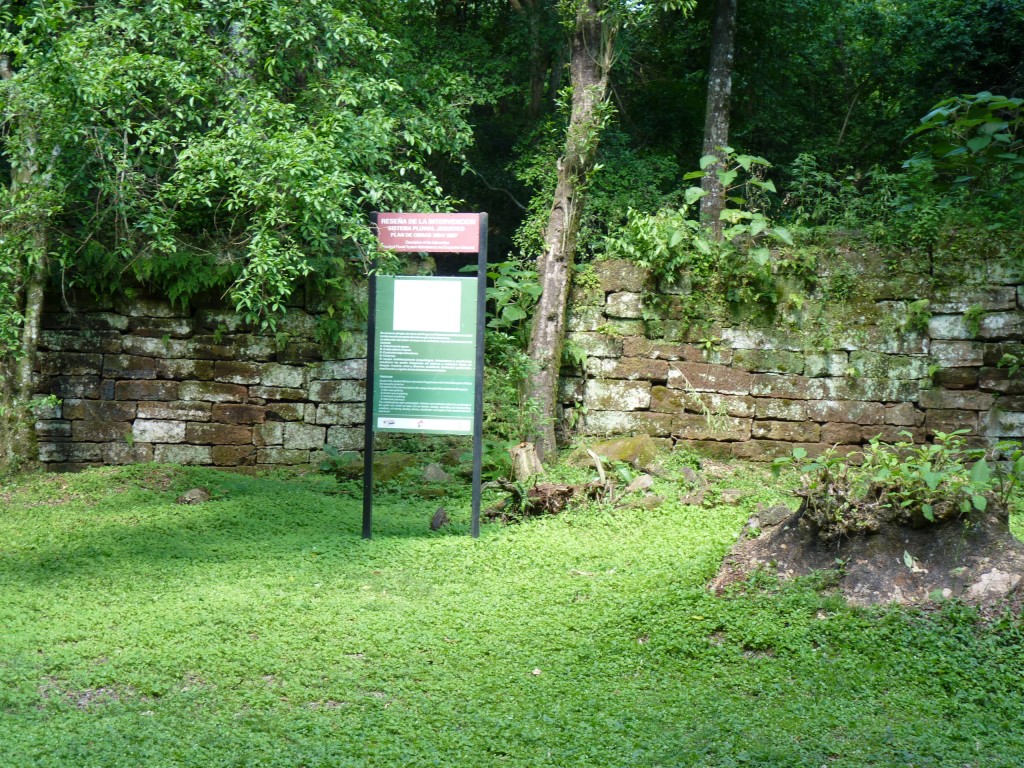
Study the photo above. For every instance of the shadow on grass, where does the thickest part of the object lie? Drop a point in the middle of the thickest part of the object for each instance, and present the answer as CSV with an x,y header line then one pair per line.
x,y
247,518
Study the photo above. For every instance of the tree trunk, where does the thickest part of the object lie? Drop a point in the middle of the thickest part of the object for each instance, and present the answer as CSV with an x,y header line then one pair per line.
x,y
16,387
535,13
716,116
591,59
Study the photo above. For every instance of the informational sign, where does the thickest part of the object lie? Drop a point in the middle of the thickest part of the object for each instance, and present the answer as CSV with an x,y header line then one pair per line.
x,y
425,370
425,354
429,232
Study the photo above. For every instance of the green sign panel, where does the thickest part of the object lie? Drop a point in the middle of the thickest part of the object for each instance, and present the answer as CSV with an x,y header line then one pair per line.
x,y
424,351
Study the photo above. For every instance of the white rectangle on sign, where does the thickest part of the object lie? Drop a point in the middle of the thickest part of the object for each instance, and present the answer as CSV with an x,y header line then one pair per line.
x,y
435,425
432,306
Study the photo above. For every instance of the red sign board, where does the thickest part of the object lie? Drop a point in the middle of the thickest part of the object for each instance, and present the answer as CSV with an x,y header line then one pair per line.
x,y
429,232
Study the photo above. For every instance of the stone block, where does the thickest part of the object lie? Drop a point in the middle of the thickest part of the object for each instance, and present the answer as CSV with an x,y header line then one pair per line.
x,y
74,387
122,453
212,391
69,363
939,420
625,304
786,387
78,321
142,306
337,391
768,361
956,378
98,410
304,436
161,327
627,422
999,380
268,433
148,390
704,377
841,433
617,275
338,369
584,319
236,372
309,412
969,400
346,438
570,389
997,326
106,342
766,450
698,427
882,366
74,452
285,411
596,344
233,413
883,390
710,448
780,410
183,454
892,434
340,413
300,353
1007,271
790,431
826,364
959,299
948,327
639,346
162,348
129,367
282,456
958,354
616,395
52,429
156,431
233,455
182,369
223,320
290,376
1003,424
743,338
904,415
198,433
278,393
846,411
631,368
178,410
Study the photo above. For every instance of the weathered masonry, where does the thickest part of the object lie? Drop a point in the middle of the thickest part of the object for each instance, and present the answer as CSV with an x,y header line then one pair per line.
x,y
140,381
754,392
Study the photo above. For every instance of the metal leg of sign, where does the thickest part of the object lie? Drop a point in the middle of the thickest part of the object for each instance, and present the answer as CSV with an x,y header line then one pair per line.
x,y
368,428
478,410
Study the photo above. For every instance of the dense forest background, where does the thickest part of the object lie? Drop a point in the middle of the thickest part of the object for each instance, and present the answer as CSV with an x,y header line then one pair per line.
x,y
191,146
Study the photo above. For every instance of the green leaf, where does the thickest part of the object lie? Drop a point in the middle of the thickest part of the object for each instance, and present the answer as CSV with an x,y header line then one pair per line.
x,y
979,502
799,453
908,559
693,194
707,160
980,473
928,512
978,143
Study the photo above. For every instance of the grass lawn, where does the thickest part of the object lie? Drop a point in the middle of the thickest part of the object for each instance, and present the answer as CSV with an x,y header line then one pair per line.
x,y
258,629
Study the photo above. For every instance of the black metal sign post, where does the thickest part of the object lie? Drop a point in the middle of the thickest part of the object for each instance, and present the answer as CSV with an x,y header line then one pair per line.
x,y
427,233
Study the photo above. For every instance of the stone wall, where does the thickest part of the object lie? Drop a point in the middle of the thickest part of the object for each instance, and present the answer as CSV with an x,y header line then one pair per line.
x,y
882,364
139,381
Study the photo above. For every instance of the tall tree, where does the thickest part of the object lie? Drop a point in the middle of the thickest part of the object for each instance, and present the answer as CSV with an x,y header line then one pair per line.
x,y
716,116
592,54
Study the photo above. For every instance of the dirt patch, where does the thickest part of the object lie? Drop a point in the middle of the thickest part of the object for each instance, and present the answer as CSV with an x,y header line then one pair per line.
x,y
975,559
85,698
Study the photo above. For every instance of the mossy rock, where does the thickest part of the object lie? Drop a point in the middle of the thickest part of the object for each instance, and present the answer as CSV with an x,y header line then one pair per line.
x,y
639,451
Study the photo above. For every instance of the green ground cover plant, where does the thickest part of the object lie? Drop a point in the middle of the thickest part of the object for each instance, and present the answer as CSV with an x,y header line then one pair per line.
x,y
258,629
